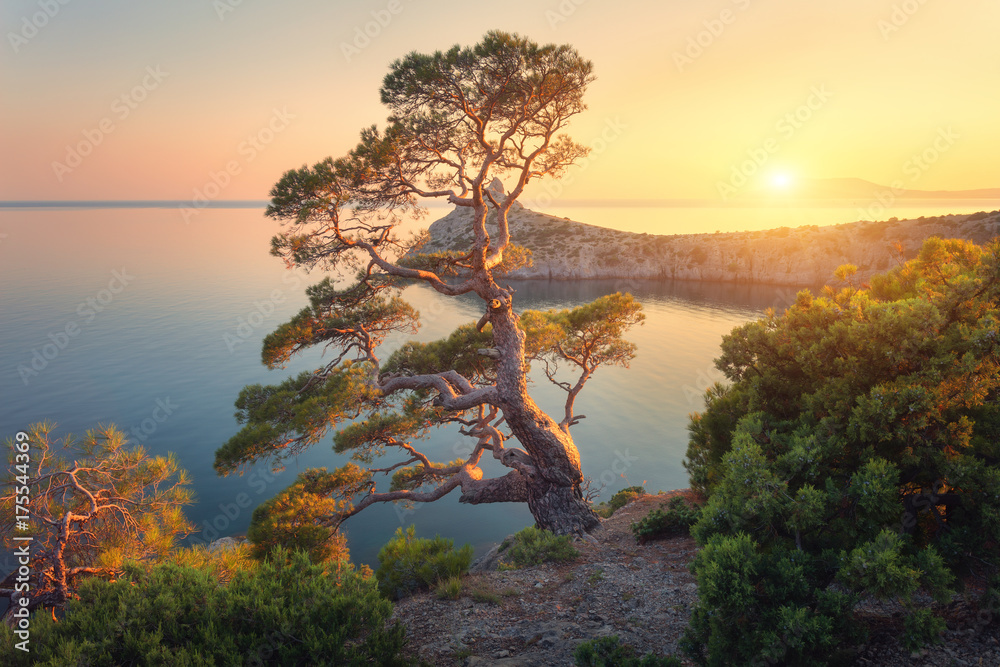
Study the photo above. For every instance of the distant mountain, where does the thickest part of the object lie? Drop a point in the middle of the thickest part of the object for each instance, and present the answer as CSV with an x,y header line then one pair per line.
x,y
857,189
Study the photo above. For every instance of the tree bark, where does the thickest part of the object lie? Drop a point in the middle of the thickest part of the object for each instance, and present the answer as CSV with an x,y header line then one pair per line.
x,y
561,509
507,489
554,496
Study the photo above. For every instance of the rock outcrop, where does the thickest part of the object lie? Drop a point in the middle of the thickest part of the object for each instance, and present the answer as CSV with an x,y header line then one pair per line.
x,y
563,249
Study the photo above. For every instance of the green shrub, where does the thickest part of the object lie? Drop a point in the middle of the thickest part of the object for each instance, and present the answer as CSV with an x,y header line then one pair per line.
x,y
677,520
485,596
288,611
450,588
990,601
757,608
711,434
293,520
482,591
610,652
534,546
221,563
408,563
921,628
619,500
864,450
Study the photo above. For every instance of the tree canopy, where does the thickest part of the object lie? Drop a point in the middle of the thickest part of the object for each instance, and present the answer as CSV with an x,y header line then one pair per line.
x,y
458,120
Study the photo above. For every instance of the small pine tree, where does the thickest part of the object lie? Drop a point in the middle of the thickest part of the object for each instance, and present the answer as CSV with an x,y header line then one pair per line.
x,y
93,504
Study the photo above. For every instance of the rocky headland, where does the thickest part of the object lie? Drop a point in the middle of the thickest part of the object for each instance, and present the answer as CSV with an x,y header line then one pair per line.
x,y
563,249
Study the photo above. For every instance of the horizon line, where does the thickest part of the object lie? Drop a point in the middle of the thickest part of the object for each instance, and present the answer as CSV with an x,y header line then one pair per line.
x,y
527,202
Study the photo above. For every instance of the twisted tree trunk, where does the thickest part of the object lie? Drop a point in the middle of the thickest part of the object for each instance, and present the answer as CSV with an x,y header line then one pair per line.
x,y
553,490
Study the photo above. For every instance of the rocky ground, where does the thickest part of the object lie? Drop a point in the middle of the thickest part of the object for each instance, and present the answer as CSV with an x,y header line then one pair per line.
x,y
642,593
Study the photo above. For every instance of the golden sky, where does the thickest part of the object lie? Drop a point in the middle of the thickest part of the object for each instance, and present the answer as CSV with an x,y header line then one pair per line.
x,y
120,99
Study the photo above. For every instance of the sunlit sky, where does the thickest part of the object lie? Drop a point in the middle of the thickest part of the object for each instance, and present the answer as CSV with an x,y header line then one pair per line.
x,y
120,99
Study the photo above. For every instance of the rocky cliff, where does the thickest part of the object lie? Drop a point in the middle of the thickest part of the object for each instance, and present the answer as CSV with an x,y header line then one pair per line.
x,y
803,256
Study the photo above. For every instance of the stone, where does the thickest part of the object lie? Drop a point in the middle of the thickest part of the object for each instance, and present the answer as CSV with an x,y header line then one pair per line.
x,y
488,562
224,543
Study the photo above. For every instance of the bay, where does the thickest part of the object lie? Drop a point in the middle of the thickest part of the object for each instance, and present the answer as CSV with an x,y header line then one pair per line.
x,y
169,317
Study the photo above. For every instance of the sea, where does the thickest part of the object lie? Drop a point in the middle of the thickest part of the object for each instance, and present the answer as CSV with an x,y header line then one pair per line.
x,y
147,316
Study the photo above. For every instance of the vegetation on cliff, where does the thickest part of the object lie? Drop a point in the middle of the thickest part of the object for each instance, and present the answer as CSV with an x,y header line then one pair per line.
x,y
854,454
803,256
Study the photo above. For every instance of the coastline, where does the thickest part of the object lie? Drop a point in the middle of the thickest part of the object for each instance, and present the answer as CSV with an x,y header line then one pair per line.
x,y
564,250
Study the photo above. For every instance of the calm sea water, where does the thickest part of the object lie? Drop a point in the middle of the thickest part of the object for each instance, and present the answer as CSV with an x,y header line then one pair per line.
x,y
138,318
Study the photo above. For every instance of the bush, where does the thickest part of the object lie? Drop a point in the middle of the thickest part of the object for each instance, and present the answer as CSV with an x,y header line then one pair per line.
x,y
288,612
619,500
610,652
864,451
485,596
293,520
408,563
450,588
990,601
921,628
677,520
757,608
222,564
711,435
534,546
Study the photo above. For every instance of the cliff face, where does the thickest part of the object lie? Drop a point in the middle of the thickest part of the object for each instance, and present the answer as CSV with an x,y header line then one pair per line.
x,y
804,256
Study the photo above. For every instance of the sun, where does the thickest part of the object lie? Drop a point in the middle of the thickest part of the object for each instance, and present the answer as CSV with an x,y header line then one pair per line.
x,y
781,181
